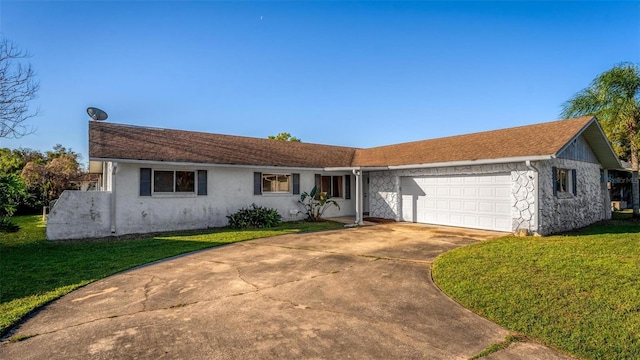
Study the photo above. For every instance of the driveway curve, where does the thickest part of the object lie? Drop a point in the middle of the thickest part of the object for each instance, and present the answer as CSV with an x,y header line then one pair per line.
x,y
361,293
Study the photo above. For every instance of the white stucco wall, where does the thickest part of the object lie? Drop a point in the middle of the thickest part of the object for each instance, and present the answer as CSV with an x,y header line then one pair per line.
x,y
228,189
79,215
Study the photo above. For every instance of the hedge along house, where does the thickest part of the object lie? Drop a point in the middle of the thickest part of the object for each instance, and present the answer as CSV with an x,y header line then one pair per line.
x,y
541,178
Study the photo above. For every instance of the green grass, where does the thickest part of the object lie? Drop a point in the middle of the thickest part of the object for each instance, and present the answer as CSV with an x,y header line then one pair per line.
x,y
35,271
497,347
578,292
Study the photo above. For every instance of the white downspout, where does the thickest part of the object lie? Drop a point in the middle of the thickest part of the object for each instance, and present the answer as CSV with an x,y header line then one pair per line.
x,y
114,167
103,183
358,174
536,218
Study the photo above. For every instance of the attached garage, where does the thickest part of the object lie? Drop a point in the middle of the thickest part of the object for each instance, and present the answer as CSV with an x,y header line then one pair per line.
x,y
474,201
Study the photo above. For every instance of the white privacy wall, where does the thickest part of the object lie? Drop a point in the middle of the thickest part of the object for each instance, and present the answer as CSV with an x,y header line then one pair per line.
x,y
79,214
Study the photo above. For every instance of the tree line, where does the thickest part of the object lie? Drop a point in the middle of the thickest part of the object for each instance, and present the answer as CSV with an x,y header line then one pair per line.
x,y
31,179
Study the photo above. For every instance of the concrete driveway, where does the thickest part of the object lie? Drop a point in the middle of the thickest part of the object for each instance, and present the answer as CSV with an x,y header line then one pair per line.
x,y
362,293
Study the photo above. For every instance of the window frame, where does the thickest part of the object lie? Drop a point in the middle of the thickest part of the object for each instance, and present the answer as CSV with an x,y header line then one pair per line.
x,y
196,182
289,177
332,180
174,191
564,182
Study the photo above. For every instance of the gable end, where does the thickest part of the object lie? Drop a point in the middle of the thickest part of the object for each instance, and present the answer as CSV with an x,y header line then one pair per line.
x,y
579,150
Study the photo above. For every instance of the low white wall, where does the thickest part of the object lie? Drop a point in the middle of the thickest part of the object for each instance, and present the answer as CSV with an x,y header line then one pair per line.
x,y
79,215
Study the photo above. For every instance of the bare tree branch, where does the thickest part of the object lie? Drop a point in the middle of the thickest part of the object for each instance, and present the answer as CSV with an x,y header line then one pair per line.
x,y
17,89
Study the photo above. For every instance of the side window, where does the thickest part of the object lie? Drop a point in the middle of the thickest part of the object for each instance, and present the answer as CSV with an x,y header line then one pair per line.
x,y
564,181
172,181
162,181
332,185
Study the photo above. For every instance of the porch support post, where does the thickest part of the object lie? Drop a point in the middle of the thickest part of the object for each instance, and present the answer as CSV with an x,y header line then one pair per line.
x,y
359,204
606,195
112,213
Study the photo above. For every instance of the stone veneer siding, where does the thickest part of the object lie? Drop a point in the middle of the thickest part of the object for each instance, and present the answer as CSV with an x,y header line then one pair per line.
x,y
565,211
556,214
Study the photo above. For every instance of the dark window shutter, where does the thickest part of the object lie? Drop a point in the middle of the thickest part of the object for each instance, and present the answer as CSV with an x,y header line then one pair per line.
x,y
554,180
347,186
202,182
145,182
575,183
296,184
257,183
318,185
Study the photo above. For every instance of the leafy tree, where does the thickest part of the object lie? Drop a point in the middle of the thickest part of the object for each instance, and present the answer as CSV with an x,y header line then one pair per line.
x,y
316,203
12,190
17,89
284,136
59,151
12,161
53,177
614,98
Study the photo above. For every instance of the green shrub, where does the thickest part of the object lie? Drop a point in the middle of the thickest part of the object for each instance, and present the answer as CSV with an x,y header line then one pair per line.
x,y
6,225
254,217
315,203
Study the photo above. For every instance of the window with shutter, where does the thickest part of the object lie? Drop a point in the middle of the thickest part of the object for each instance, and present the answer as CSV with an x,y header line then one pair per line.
x,y
564,181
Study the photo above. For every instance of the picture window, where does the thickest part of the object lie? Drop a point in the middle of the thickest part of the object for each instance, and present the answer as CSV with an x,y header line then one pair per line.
x,y
276,183
174,181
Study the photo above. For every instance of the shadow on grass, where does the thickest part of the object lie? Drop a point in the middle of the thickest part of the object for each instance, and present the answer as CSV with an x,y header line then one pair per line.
x,y
618,225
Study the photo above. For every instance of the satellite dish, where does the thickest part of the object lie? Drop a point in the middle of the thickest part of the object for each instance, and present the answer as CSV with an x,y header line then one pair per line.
x,y
97,114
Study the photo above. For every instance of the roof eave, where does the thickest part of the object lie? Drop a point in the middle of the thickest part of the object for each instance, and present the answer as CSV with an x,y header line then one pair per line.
x,y
597,140
196,164
515,159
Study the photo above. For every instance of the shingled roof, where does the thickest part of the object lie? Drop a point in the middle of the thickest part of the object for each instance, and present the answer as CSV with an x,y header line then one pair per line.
x,y
125,142
531,140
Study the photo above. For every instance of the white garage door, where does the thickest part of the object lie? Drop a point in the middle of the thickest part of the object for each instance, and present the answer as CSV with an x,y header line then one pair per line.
x,y
481,202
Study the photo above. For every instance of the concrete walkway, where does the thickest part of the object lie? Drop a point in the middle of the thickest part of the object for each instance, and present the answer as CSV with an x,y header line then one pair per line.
x,y
362,293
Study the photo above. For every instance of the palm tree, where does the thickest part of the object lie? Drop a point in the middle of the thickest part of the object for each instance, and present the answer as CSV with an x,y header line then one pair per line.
x,y
614,98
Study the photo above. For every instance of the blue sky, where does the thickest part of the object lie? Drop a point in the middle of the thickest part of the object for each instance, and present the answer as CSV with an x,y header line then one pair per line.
x,y
356,73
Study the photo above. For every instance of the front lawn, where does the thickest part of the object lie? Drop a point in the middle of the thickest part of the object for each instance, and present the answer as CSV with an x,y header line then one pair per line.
x,y
579,292
35,271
